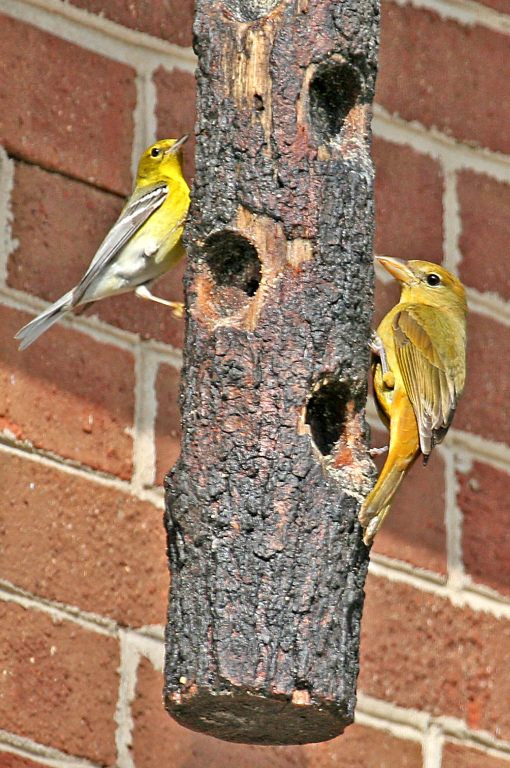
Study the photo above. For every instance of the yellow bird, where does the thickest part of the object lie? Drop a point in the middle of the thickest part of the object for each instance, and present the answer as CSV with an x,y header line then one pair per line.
x,y
143,244
419,370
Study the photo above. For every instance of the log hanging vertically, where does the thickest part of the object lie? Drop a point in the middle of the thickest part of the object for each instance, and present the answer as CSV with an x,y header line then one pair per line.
x,y
265,548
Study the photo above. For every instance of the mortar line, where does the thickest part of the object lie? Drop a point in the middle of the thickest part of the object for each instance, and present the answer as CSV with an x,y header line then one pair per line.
x,y
144,117
385,715
140,137
471,447
91,326
147,638
468,596
29,749
10,593
55,462
453,523
151,648
100,35
489,305
453,154
452,223
465,12
502,753
128,673
433,747
7,243
457,730
399,730
144,448
151,102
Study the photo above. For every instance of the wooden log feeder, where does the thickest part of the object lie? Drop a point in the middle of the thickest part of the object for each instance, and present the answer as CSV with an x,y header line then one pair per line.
x,y
265,548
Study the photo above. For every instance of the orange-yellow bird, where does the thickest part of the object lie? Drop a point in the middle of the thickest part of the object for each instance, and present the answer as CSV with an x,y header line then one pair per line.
x,y
419,370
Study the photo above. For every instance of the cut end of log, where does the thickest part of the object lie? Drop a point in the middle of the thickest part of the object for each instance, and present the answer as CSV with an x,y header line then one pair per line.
x,y
266,720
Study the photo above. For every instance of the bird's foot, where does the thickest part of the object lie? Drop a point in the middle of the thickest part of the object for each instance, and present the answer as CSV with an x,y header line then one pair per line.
x,y
377,346
378,451
371,530
178,307
371,520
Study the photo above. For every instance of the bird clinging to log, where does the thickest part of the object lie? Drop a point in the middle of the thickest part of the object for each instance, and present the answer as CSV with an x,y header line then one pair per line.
x,y
419,370
143,244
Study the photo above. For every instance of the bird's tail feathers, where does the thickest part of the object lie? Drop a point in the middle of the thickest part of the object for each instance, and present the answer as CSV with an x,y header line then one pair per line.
x,y
45,320
378,502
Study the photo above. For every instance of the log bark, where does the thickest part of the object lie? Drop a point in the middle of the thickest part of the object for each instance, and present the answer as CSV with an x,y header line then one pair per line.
x,y
265,548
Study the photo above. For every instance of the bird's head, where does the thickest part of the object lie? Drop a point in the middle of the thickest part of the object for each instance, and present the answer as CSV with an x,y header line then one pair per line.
x,y
162,161
426,283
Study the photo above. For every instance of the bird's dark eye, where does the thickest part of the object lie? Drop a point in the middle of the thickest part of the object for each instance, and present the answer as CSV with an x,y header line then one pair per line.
x,y
154,152
433,279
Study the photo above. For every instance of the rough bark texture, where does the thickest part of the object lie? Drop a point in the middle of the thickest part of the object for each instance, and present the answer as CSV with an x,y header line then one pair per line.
x,y
265,549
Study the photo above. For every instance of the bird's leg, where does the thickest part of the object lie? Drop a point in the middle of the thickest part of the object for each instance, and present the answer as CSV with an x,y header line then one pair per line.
x,y
377,347
178,307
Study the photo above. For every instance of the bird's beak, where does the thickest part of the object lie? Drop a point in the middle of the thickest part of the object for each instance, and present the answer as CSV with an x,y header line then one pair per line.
x,y
397,268
178,144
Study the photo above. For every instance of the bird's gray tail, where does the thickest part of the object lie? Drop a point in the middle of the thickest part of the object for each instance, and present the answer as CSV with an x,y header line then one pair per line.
x,y
45,320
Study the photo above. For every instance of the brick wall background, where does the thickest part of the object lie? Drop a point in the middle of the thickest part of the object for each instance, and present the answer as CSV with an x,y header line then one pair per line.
x,y
89,423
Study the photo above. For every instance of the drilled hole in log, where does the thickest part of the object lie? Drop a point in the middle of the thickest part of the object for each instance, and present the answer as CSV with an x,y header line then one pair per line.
x,y
250,10
334,91
326,413
235,268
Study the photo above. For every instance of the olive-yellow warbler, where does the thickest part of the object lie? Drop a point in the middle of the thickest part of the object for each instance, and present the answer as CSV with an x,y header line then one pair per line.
x,y
419,370
143,244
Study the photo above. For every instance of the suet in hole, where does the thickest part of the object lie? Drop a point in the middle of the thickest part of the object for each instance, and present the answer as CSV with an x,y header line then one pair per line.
x,y
326,413
235,268
334,90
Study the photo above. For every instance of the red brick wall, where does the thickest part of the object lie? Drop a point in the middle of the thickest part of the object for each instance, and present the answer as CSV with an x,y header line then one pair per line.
x,y
89,423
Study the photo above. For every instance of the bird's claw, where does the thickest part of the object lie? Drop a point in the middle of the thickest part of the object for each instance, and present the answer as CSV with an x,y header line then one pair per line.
x,y
377,346
371,530
178,307
378,451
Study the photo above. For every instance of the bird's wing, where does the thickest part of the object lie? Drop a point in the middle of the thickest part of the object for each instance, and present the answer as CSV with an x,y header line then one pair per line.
x,y
135,213
430,381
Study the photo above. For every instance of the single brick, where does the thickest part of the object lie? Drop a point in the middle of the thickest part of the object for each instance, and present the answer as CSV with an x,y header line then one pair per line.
x,y
459,756
484,205
59,683
484,407
445,75
10,760
91,546
408,203
168,421
59,223
64,107
483,498
176,111
168,19
414,530
68,394
419,651
158,741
